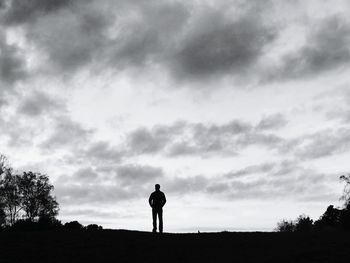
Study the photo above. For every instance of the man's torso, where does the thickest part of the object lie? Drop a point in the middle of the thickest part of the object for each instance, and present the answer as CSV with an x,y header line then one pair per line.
x,y
158,199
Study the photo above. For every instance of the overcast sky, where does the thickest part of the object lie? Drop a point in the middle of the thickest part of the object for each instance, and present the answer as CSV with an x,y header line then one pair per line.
x,y
239,109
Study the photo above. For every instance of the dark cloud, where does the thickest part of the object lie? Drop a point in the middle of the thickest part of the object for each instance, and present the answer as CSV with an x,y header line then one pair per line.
x,y
342,110
85,175
93,193
149,39
270,141
12,63
287,179
137,174
208,139
253,169
108,184
273,122
326,48
99,35
18,12
323,143
153,140
187,185
17,132
219,45
103,152
204,139
66,133
72,39
188,41
146,141
38,103
283,168
217,188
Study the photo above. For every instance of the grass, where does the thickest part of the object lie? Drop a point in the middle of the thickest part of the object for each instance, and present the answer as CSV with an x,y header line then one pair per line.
x,y
133,246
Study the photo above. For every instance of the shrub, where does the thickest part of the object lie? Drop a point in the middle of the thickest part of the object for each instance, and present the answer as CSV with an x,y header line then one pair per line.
x,y
2,216
330,220
24,225
344,218
73,225
93,227
303,224
286,226
49,223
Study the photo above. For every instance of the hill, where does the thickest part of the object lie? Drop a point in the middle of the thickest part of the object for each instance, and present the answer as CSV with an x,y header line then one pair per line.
x,y
133,246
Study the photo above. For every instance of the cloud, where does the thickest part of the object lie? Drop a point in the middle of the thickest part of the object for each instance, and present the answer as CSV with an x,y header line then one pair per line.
x,y
150,35
103,151
122,182
143,140
252,169
326,49
93,194
341,111
17,132
323,143
85,175
219,44
286,179
205,139
12,63
71,39
107,184
38,103
187,40
187,185
18,12
66,133
274,121
137,174
98,35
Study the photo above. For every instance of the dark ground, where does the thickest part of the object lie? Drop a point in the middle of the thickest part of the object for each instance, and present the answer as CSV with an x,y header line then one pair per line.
x,y
132,246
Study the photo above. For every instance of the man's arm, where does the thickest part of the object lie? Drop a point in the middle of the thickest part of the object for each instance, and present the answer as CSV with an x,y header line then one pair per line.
x,y
150,200
164,200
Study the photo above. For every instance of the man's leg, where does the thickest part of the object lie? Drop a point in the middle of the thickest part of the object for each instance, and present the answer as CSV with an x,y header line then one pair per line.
x,y
154,216
160,215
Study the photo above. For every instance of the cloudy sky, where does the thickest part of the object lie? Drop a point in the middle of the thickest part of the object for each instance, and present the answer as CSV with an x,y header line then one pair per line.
x,y
239,109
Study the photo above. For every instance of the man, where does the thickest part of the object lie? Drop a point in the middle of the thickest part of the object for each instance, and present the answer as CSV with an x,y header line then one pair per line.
x,y
157,201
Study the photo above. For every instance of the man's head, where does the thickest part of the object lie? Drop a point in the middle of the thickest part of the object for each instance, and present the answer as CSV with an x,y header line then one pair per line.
x,y
157,187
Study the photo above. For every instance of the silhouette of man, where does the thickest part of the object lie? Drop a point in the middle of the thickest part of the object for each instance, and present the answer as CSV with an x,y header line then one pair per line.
x,y
157,201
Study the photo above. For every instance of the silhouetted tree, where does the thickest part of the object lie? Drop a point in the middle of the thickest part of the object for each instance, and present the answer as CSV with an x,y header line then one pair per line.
x,y
303,224
2,215
10,195
73,225
330,219
285,226
344,218
49,223
346,191
93,227
36,195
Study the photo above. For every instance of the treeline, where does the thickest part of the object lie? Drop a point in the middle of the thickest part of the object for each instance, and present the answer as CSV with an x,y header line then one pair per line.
x,y
44,224
333,219
25,196
27,202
